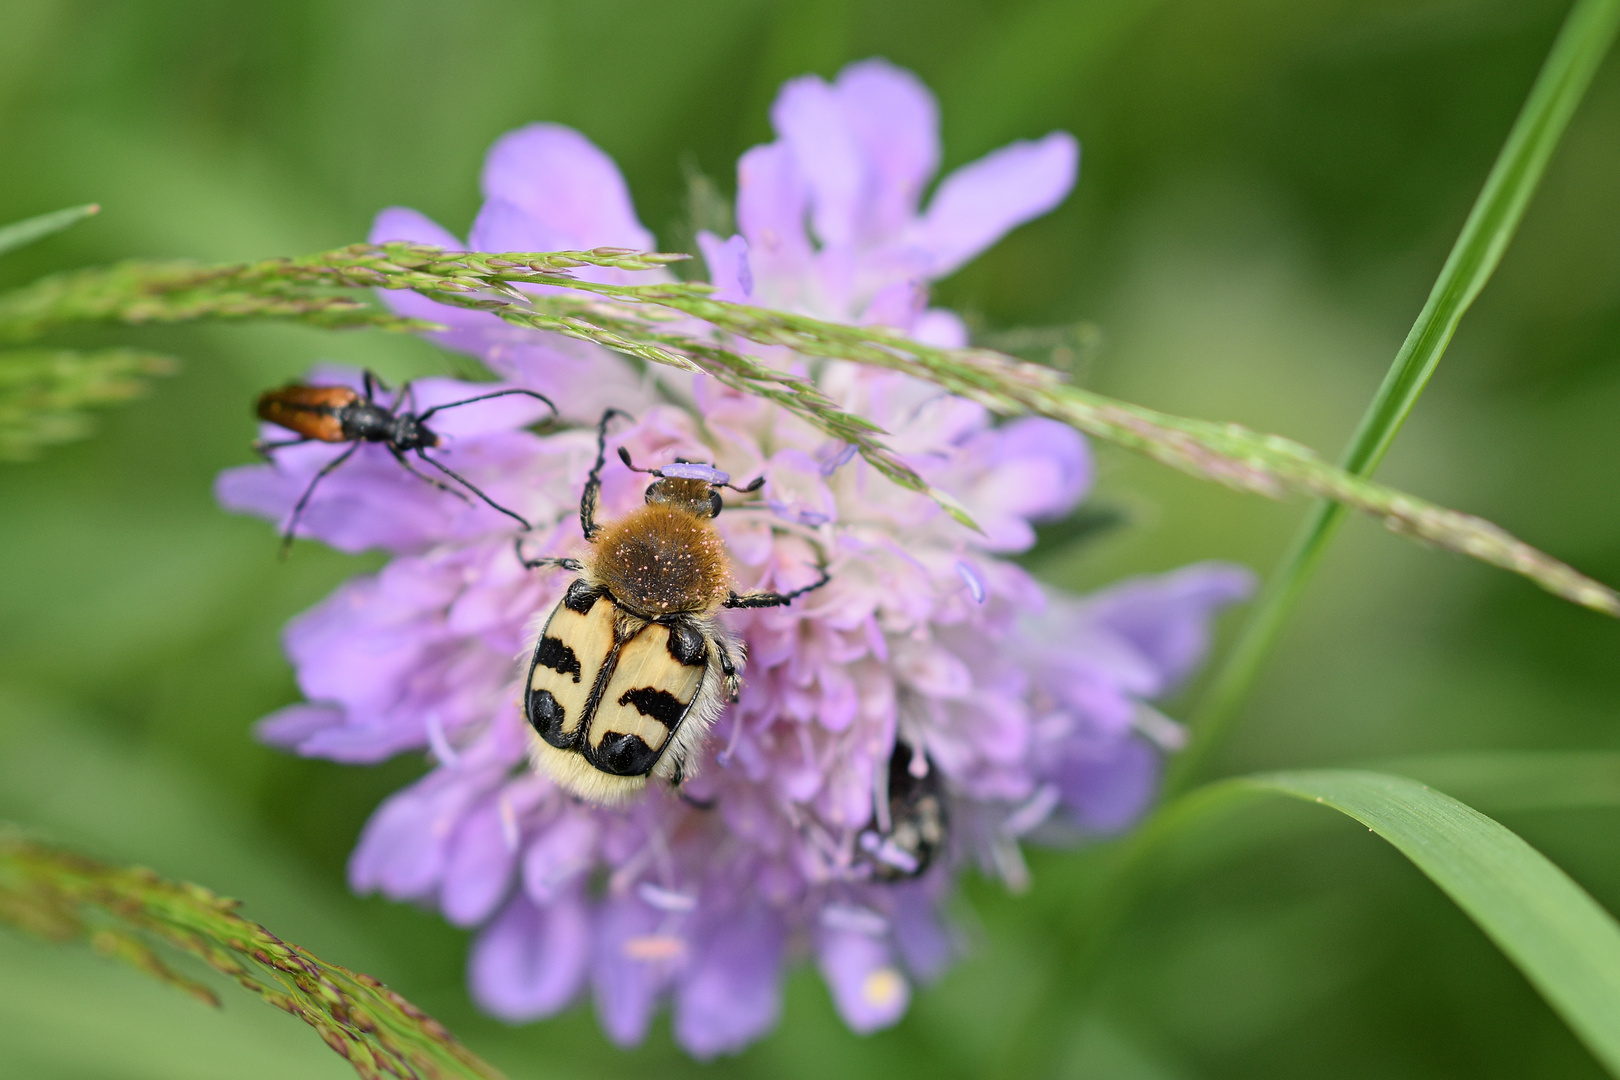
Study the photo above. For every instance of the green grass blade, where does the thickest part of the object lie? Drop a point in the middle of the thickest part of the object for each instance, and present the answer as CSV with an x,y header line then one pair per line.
x,y
1556,934
1534,913
1513,781
22,233
129,913
1576,54
44,393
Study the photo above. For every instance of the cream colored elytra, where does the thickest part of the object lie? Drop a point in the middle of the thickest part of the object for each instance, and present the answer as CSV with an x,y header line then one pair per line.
x,y
626,699
631,669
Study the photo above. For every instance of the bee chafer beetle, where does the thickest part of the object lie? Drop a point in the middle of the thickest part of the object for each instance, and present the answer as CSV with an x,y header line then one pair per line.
x,y
631,668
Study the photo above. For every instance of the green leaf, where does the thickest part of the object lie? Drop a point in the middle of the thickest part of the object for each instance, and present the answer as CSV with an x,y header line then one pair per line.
x,y
44,392
127,913
1557,935
22,233
1518,780
1576,54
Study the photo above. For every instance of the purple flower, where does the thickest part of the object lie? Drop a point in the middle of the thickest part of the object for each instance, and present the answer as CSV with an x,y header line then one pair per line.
x,y
1025,712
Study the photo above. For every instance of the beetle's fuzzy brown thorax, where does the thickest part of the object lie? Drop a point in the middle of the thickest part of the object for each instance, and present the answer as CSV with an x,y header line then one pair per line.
x,y
661,559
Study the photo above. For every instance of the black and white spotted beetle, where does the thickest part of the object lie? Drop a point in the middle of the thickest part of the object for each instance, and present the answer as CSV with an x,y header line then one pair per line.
x,y
631,668
912,831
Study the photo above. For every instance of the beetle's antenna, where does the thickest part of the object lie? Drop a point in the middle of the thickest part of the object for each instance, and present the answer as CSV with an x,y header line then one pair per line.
x,y
485,397
692,470
624,456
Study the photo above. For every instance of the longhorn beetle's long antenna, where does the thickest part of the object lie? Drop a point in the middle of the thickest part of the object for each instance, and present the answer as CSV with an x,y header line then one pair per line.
x,y
485,397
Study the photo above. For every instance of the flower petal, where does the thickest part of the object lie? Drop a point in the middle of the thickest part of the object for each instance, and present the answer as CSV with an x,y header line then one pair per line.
x,y
633,961
728,266
1167,616
531,961
403,846
867,988
568,195
478,870
288,728
403,223
1105,791
771,203
559,857
895,120
412,226
808,118
975,205
732,992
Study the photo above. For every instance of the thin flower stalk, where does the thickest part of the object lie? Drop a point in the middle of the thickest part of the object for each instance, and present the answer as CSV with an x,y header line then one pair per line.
x,y
304,289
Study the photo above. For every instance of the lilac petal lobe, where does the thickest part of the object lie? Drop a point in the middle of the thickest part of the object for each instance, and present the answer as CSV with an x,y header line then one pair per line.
x,y
919,933
288,728
688,470
732,993
1167,617
807,116
978,203
772,199
1105,791
867,988
634,959
531,961
479,868
729,270
566,185
941,329
412,226
895,121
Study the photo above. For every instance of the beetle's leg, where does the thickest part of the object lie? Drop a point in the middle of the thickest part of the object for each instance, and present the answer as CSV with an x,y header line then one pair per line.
x,y
303,500
405,463
468,484
263,448
572,565
729,670
592,494
772,599
369,382
682,794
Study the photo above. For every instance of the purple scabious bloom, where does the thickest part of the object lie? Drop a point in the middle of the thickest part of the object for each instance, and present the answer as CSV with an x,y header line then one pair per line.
x,y
1031,707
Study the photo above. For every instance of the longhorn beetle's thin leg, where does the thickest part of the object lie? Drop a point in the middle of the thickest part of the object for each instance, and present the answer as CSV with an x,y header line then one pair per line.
x,y
463,481
771,599
399,456
593,484
303,500
263,448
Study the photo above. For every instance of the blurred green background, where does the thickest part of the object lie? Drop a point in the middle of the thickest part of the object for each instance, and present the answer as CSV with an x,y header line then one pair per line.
x,y
1268,190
